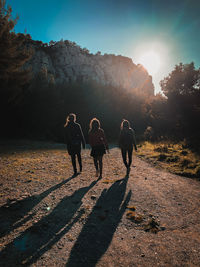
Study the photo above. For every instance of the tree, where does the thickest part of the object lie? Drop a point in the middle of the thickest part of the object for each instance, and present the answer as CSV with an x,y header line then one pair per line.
x,y
13,55
183,80
182,88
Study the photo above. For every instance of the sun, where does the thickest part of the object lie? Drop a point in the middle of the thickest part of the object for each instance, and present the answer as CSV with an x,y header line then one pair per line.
x,y
151,61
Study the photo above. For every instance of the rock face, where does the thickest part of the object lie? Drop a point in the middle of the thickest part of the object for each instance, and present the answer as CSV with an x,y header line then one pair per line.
x,y
65,61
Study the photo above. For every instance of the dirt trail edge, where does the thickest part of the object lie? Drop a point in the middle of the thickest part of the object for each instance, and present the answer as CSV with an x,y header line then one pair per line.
x,y
50,218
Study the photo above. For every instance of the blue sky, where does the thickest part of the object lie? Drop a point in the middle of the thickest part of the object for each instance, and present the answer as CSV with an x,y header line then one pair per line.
x,y
122,27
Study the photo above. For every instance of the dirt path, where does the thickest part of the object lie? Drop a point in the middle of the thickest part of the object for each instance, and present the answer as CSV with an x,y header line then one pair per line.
x,y
49,218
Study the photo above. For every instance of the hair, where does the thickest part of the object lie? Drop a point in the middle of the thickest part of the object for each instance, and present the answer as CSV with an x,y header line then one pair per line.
x,y
70,118
94,125
125,124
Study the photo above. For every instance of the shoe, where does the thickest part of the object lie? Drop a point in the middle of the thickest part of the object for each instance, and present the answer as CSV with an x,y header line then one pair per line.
x,y
128,171
100,176
80,168
75,173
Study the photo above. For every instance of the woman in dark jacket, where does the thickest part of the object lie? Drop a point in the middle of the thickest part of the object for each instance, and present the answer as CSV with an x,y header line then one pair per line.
x,y
126,143
99,145
73,138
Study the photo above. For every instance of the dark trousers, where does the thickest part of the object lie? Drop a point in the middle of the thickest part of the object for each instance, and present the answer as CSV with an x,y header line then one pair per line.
x,y
73,158
98,163
124,156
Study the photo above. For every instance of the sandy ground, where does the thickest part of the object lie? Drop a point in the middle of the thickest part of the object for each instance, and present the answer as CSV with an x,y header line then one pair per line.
x,y
50,218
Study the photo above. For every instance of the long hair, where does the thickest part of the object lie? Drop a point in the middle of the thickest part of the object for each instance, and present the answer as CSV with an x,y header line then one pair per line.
x,y
94,125
125,124
70,118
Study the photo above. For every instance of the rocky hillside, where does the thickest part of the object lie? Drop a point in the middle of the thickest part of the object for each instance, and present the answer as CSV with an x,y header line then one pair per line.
x,y
65,61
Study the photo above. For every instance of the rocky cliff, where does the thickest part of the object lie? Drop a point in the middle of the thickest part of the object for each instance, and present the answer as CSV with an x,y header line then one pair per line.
x,y
64,61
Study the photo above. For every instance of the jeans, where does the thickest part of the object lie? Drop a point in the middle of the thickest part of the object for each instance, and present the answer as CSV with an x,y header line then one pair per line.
x,y
73,158
124,156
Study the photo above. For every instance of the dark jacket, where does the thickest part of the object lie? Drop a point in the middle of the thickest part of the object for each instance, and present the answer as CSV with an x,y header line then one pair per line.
x,y
74,137
127,139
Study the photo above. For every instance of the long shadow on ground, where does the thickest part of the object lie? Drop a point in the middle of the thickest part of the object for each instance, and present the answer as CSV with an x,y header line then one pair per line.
x,y
15,214
100,227
39,238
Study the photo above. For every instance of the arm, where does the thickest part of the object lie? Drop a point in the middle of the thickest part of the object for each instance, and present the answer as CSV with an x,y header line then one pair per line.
x,y
134,141
66,136
120,139
82,137
89,139
104,140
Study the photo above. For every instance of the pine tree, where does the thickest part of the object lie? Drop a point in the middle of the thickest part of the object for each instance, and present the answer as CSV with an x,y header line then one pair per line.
x,y
13,55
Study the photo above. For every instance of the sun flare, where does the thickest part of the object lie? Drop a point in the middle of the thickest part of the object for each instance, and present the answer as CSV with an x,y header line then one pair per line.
x,y
151,61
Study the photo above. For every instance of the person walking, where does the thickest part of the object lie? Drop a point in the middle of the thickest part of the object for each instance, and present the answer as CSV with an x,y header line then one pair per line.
x,y
99,145
74,138
126,143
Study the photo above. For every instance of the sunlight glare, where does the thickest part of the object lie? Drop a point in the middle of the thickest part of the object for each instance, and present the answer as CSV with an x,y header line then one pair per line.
x,y
151,62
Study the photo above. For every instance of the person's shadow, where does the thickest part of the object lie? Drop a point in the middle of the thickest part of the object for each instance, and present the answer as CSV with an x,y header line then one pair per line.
x,y
100,227
16,213
40,237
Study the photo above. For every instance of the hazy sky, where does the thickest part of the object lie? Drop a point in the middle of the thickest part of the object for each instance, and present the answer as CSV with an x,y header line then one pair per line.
x,y
123,27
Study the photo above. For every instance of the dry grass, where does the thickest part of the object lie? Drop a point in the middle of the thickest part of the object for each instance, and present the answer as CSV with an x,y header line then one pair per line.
x,y
131,208
173,157
136,218
133,216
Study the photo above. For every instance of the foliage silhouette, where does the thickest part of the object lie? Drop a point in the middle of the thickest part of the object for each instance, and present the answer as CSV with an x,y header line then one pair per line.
x,y
13,54
182,88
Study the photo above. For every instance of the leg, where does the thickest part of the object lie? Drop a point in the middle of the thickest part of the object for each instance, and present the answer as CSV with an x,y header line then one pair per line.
x,y
124,151
100,165
96,163
130,153
73,158
79,161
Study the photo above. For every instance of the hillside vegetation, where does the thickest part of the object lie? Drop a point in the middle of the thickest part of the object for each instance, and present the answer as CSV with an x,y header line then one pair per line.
x,y
176,158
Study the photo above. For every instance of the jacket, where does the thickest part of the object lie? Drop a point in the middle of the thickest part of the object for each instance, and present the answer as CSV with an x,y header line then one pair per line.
x,y
127,139
74,137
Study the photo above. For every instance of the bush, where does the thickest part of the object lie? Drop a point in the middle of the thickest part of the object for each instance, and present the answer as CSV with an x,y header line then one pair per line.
x,y
163,149
162,157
